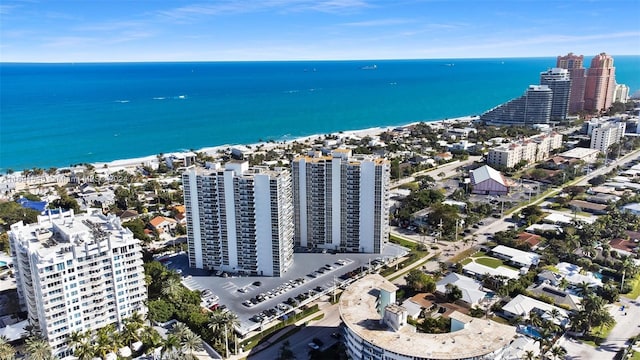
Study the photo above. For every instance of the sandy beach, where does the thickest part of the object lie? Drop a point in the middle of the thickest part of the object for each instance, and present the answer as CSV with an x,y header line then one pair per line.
x,y
152,160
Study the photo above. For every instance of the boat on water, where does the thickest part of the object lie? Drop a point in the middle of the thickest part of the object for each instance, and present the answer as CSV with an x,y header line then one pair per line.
x,y
369,67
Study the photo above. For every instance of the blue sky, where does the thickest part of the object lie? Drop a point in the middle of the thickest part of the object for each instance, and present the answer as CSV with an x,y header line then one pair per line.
x,y
179,30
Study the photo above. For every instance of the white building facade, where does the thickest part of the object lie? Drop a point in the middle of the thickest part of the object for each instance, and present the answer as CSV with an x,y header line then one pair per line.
x,y
341,202
77,273
607,134
531,150
239,219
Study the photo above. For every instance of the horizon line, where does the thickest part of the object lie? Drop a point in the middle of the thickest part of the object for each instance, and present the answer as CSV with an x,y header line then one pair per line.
x,y
294,60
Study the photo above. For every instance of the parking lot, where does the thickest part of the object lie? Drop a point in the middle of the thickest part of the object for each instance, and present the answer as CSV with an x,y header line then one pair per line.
x,y
312,275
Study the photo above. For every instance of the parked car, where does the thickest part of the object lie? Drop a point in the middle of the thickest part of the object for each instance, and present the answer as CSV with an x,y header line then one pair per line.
x,y
313,346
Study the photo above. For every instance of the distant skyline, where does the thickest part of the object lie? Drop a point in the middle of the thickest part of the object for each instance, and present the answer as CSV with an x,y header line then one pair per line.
x,y
247,30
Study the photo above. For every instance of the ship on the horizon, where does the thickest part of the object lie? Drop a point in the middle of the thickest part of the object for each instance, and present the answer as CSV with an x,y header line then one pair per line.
x,y
370,67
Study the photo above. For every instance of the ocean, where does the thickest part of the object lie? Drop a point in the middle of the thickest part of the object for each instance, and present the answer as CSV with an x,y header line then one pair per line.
x,y
56,115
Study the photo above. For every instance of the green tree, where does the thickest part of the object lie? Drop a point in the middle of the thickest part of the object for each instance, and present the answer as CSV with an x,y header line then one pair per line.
x,y
453,292
11,212
66,202
419,281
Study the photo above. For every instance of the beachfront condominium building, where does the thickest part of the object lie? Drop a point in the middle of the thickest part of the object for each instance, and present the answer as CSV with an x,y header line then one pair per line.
x,y
534,107
600,84
77,273
557,79
577,73
341,201
607,134
239,219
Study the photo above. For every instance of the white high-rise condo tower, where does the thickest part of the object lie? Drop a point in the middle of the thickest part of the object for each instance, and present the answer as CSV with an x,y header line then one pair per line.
x,y
77,273
341,202
239,219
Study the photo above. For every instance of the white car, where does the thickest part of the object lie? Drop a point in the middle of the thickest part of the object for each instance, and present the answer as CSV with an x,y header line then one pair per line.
x,y
314,346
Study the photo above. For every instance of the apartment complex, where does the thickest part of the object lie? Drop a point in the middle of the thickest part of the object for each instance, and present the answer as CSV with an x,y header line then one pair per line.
x,y
239,219
534,107
341,202
577,73
600,83
558,80
533,149
375,327
77,273
606,134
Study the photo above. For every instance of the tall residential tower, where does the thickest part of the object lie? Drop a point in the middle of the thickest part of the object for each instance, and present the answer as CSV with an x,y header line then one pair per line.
x,y
534,107
558,81
341,202
601,83
239,219
574,64
77,273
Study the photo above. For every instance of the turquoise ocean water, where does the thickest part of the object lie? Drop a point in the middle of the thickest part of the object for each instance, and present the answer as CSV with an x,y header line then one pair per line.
x,y
63,114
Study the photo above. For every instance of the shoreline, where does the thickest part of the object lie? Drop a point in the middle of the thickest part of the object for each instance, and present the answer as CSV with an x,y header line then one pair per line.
x,y
109,167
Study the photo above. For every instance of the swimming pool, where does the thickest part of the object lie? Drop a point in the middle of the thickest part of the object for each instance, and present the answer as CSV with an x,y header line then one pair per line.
x,y
3,263
530,331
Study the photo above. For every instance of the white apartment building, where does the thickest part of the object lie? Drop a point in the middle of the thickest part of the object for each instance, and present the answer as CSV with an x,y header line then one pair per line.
x,y
531,150
621,93
239,219
607,134
341,202
376,328
77,273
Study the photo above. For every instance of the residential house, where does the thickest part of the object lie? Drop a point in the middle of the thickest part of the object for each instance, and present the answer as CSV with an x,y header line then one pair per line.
x,y
163,224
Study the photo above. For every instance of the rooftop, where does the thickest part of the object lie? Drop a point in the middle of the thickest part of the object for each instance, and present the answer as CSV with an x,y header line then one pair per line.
x,y
477,338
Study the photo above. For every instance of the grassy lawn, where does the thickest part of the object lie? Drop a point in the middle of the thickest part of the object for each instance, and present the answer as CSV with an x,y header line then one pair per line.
x,y
490,262
466,261
551,268
598,335
635,355
635,283
463,255
478,254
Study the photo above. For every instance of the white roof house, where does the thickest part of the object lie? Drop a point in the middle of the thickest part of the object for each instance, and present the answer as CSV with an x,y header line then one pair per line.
x,y
523,305
518,257
574,274
487,180
471,289
474,268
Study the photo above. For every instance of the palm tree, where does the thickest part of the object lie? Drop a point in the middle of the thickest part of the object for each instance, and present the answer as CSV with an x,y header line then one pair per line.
x,y
38,348
535,320
132,327
584,289
106,341
170,345
180,330
558,352
84,351
528,355
555,314
191,342
171,287
7,352
76,338
151,339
